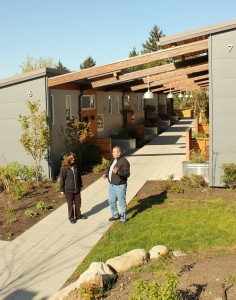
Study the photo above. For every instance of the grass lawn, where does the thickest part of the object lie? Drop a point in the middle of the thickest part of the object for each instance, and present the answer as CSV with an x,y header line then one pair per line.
x,y
187,225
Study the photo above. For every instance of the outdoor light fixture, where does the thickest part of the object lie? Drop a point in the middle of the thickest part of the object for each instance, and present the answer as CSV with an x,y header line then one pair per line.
x,y
180,95
170,95
186,94
148,94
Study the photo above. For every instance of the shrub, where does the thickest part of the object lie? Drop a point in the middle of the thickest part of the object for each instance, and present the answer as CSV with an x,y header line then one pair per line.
x,y
163,289
19,189
197,157
176,189
42,205
200,135
229,176
30,214
197,180
100,167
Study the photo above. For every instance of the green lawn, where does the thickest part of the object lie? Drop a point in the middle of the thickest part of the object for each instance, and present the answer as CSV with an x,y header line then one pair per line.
x,y
187,225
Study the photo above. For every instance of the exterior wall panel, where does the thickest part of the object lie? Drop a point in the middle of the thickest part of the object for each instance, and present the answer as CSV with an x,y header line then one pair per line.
x,y
222,103
12,103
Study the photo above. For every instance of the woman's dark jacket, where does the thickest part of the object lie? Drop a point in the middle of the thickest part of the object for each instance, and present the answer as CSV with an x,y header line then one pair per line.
x,y
123,171
70,182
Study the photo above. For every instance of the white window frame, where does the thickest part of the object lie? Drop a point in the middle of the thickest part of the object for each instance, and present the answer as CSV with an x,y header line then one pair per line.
x,y
109,105
92,104
68,107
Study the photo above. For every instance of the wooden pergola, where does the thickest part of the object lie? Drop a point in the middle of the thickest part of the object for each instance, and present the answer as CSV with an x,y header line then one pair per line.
x,y
186,67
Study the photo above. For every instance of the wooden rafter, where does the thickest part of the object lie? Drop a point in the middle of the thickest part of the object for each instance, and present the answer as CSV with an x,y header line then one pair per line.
x,y
130,62
173,76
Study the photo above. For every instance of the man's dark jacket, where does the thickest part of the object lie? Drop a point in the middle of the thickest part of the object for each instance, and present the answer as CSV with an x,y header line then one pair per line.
x,y
123,171
69,182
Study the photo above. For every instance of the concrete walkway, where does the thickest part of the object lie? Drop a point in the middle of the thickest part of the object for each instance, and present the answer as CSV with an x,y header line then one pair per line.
x,y
37,263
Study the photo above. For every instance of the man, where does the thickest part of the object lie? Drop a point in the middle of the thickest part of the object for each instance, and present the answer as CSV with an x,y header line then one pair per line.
x,y
117,174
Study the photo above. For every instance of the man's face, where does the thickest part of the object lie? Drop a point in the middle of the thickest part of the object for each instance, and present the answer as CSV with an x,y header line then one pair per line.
x,y
116,152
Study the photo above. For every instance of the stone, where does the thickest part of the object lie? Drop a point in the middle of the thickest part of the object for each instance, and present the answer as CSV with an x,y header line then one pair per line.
x,y
128,260
157,251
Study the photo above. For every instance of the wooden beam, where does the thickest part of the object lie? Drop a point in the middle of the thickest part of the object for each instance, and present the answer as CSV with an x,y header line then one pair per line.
x,y
170,77
129,62
148,72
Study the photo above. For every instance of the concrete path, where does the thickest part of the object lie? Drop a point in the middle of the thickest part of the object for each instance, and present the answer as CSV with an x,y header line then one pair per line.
x,y
37,263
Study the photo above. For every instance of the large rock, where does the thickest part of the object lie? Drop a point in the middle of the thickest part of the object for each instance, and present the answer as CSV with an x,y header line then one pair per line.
x,y
95,276
128,260
157,251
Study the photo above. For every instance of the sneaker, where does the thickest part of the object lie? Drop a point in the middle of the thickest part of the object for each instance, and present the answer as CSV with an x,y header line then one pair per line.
x,y
113,219
73,221
82,217
123,221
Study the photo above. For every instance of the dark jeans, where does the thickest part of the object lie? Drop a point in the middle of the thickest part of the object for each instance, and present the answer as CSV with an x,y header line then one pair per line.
x,y
74,205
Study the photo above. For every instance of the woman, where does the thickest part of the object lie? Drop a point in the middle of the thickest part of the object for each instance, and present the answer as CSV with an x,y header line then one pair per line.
x,y
70,186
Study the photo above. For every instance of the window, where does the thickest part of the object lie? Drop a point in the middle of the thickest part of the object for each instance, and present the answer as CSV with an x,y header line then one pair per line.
x,y
117,103
126,100
109,105
100,122
88,102
68,107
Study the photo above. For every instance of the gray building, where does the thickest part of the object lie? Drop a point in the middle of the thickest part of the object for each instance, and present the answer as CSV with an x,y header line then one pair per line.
x,y
14,92
201,58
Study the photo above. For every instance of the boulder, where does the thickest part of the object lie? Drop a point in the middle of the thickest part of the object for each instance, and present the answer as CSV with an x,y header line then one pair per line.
x,y
128,260
95,276
157,251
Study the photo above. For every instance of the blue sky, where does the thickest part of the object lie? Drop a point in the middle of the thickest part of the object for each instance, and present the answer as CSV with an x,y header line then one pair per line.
x,y
107,30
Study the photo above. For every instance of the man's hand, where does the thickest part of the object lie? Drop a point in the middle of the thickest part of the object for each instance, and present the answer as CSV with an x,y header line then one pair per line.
x,y
104,176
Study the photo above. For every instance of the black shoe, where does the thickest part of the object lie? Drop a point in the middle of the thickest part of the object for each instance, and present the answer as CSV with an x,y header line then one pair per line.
x,y
113,219
73,221
82,217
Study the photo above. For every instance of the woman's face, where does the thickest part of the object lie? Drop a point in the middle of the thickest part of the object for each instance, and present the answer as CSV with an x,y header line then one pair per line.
x,y
72,159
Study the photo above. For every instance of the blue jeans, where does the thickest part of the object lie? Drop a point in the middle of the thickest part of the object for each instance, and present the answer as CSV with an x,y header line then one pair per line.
x,y
118,193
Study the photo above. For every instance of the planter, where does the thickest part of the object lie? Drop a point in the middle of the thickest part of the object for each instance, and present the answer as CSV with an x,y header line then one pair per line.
x,y
189,168
124,144
165,124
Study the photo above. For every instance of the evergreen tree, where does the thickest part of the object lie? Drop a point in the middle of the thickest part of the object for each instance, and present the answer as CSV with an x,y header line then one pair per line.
x,y
60,67
88,63
151,43
151,46
134,53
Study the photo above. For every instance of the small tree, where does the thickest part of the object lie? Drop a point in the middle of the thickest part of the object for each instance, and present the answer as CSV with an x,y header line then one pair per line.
x,y
35,137
77,135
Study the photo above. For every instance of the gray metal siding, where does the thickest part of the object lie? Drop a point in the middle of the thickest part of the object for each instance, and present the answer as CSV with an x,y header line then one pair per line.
x,y
12,103
58,146
222,103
